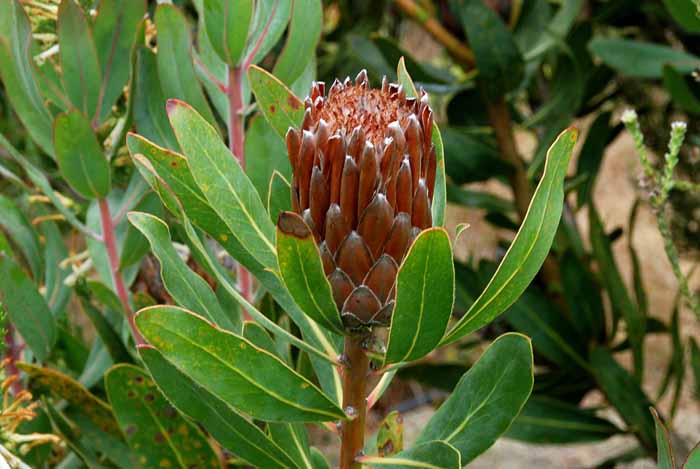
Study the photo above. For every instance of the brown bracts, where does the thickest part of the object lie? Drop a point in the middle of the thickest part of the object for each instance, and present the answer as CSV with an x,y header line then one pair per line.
x,y
363,177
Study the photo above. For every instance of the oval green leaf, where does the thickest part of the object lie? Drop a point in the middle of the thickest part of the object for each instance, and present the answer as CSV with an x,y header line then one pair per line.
x,y
17,227
248,377
227,23
153,429
486,400
641,59
302,271
80,157
530,246
425,291
302,38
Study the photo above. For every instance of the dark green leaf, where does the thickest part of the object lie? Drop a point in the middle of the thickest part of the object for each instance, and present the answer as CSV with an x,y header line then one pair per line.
x,y
685,13
265,153
80,67
79,155
227,23
664,456
174,59
486,400
56,293
15,224
695,365
251,379
302,271
546,421
293,440
109,336
279,198
685,92
583,295
641,59
278,104
624,393
230,428
599,135
153,429
18,76
471,159
26,309
497,56
269,22
530,247
115,32
477,199
425,291
71,435
302,38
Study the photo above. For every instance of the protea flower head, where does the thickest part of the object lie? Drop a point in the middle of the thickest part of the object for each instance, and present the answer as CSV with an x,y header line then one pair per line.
x,y
363,176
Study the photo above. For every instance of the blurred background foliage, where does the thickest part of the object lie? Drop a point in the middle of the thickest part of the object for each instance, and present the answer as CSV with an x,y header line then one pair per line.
x,y
504,77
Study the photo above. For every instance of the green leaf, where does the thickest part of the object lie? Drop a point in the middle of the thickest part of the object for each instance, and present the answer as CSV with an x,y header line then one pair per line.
x,y
269,22
150,117
79,155
294,441
80,67
486,400
169,175
56,293
278,104
26,309
684,92
106,332
500,63
615,286
476,199
153,429
16,71
544,420
69,433
115,32
186,287
279,198
684,12
693,461
599,135
15,224
227,23
430,455
302,271
223,422
175,69
390,435
583,296
530,247
641,59
471,158
624,393
302,38
265,153
664,450
59,385
425,291
251,379
224,183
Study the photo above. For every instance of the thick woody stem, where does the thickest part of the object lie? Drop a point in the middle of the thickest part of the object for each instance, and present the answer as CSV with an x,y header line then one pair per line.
x,y
354,401
110,241
236,138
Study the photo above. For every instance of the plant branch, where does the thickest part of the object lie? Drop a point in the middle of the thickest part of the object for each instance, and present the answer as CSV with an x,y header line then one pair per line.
x,y
13,351
354,401
454,46
110,241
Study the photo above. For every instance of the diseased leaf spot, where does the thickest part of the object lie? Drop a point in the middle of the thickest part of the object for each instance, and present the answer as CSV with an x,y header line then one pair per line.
x,y
273,109
294,103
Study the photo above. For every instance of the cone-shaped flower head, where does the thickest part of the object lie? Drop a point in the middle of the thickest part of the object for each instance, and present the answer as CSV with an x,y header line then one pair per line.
x,y
363,176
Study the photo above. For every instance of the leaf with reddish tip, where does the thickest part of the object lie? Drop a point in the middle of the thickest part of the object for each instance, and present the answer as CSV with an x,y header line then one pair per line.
x,y
279,105
302,271
425,289
157,434
531,245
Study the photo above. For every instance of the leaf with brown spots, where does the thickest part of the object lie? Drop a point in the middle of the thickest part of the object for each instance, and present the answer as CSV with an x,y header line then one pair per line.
x,y
47,381
157,434
278,103
390,435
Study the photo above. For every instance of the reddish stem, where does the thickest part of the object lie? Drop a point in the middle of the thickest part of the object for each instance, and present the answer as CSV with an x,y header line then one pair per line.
x,y
13,351
236,140
111,245
354,401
